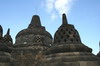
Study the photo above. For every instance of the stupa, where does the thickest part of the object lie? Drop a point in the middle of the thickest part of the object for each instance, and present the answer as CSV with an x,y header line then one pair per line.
x,y
68,49
5,49
31,43
34,46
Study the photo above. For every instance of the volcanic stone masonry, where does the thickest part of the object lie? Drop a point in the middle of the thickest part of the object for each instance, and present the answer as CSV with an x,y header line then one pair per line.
x,y
34,46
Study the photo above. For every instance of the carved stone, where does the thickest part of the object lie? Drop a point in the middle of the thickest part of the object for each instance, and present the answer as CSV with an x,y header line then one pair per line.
x,y
34,46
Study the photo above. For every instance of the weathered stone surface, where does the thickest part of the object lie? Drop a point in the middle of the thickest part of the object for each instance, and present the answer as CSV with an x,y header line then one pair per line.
x,y
34,46
68,50
29,56
66,33
7,39
34,34
98,54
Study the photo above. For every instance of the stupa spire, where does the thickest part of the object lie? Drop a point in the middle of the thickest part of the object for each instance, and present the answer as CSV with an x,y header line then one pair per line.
x,y
35,22
99,46
7,37
1,31
64,19
8,32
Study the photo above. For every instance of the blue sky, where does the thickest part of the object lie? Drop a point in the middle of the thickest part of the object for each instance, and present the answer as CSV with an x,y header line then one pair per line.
x,y
83,14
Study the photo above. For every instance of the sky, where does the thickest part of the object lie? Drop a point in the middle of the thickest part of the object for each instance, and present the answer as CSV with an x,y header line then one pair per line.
x,y
83,14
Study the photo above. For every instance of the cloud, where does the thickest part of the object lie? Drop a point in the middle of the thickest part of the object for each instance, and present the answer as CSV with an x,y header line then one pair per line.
x,y
53,16
49,5
63,6
58,6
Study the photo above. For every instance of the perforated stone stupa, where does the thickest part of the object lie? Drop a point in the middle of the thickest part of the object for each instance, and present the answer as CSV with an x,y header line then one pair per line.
x,y
34,46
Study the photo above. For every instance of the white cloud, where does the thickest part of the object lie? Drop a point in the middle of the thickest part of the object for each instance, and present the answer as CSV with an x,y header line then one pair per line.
x,y
60,6
53,16
49,5
63,6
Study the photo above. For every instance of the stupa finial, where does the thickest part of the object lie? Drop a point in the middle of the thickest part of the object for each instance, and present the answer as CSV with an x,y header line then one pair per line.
x,y
1,31
35,21
8,32
99,46
64,19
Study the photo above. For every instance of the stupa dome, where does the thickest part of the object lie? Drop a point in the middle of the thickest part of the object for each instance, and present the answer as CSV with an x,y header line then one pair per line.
x,y
34,34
